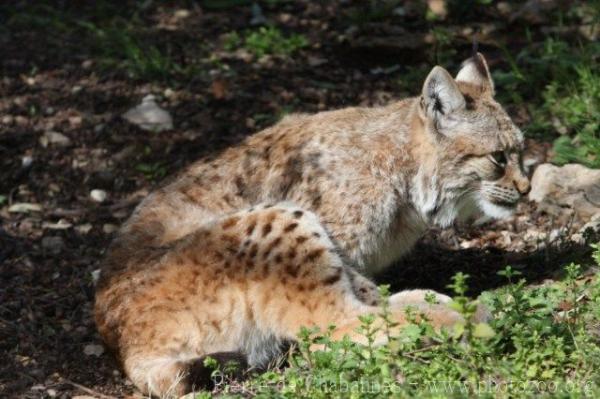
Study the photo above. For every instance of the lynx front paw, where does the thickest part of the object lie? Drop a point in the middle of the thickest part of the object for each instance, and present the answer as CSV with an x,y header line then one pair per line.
x,y
428,299
365,289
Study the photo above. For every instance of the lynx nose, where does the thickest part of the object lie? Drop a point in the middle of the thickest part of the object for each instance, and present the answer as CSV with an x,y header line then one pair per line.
x,y
522,184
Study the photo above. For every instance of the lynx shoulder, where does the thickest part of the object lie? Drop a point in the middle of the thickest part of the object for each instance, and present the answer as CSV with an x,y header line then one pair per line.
x,y
283,230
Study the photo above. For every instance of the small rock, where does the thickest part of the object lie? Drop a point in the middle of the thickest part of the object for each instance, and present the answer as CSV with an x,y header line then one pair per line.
x,y
76,89
75,121
98,195
285,17
181,14
21,120
26,161
169,93
84,228
7,120
87,64
149,116
572,187
53,245
109,228
95,276
93,350
55,138
51,392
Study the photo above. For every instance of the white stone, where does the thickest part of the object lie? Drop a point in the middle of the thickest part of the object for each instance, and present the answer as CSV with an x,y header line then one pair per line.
x,y
149,116
26,161
98,195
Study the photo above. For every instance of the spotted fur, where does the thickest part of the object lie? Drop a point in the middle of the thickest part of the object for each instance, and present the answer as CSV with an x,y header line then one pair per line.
x,y
280,231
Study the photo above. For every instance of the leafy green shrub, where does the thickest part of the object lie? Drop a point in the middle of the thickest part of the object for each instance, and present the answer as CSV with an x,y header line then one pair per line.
x,y
559,84
542,341
118,46
576,109
266,41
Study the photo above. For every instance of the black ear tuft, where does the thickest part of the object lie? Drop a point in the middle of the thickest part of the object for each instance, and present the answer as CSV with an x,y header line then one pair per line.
x,y
441,95
437,105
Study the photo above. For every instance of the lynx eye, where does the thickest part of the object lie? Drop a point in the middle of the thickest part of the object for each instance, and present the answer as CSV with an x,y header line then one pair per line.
x,y
499,158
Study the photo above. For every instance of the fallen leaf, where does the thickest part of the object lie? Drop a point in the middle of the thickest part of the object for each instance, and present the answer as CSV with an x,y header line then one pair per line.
x,y
219,89
60,225
56,138
25,207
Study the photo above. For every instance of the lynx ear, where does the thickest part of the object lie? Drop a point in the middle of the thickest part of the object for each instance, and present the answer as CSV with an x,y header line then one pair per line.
x,y
441,95
475,71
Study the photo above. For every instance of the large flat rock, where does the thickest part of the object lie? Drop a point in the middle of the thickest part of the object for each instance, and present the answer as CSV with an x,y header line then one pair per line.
x,y
566,190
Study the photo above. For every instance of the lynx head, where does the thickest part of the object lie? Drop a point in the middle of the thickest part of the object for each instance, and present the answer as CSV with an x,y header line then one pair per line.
x,y
478,147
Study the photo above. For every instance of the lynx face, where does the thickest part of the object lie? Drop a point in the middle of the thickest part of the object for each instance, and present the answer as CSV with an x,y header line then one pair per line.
x,y
480,144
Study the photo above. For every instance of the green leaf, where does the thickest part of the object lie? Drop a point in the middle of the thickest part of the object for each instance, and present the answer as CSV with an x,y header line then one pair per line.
x,y
411,331
483,330
458,330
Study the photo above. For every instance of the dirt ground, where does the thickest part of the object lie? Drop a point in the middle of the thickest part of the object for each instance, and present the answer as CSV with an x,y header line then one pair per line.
x,y
52,81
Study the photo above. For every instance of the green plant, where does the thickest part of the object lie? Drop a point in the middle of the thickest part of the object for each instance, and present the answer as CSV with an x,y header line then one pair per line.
x,y
266,41
152,171
557,81
119,46
576,109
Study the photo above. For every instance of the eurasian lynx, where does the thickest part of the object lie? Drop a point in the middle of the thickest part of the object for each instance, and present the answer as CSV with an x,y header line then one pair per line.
x,y
278,232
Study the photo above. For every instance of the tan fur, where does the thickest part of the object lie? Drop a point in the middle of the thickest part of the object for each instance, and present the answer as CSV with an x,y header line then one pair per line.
x,y
240,252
